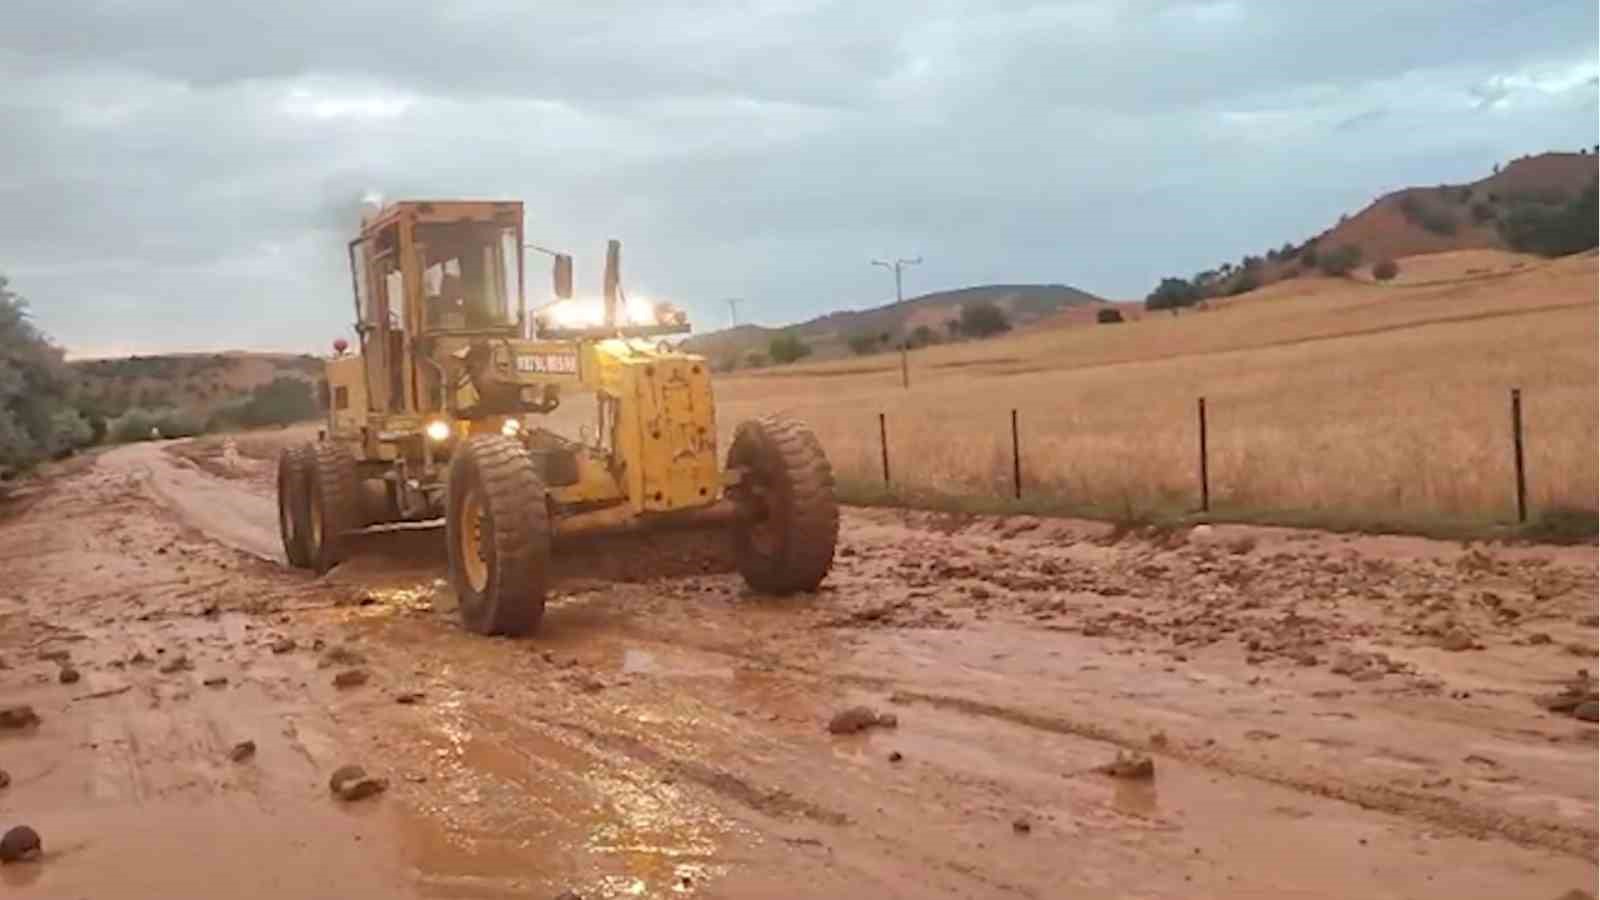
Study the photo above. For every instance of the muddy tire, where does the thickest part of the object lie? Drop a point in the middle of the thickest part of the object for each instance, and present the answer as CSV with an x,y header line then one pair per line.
x,y
294,504
497,525
790,548
333,506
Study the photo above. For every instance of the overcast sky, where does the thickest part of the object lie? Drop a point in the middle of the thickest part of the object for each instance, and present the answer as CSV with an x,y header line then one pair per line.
x,y
184,175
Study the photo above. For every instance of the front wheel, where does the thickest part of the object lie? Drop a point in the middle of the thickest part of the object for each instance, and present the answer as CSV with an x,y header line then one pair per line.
x,y
333,505
294,504
497,526
789,546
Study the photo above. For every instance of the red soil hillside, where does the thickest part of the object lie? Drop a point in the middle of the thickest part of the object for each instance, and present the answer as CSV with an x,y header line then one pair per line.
x,y
1463,216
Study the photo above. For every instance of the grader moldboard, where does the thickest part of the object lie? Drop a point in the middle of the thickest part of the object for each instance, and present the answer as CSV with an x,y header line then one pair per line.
x,y
434,415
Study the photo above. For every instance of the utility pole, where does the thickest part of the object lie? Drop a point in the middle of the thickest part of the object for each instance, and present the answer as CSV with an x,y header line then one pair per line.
x,y
733,309
899,297
897,265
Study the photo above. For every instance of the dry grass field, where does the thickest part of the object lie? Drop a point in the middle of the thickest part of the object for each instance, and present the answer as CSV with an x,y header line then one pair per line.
x,y
1331,402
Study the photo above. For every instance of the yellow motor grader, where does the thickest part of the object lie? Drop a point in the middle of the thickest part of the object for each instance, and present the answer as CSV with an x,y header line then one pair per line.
x,y
440,412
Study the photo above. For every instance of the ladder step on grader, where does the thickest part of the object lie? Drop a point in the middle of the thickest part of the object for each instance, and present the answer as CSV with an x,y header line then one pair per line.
x,y
441,412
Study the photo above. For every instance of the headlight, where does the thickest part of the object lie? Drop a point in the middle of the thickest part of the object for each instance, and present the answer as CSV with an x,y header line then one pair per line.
x,y
438,430
511,428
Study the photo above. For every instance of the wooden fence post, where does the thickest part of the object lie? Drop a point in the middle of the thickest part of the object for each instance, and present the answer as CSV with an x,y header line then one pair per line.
x,y
1205,473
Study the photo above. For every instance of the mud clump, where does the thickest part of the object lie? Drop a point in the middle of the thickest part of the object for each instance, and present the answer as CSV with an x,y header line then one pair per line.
x,y
283,645
1129,765
409,698
860,718
340,655
350,678
14,717
1021,826
1578,698
242,751
5,779
69,675
351,783
216,681
20,844
1456,640
179,663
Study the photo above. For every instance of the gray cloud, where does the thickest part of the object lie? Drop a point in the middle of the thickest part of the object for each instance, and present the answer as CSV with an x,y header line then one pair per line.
x,y
185,175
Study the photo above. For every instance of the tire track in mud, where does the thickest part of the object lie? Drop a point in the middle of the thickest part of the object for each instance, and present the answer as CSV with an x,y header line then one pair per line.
x,y
767,801
1445,812
1468,819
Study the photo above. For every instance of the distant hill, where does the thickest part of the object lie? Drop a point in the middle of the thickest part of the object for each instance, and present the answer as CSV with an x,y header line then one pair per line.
x,y
198,383
1423,220
829,335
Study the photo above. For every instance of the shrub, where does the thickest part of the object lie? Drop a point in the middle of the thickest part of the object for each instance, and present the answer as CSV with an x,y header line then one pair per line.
x,y
283,401
788,348
1482,212
1536,228
755,361
135,424
1340,260
983,319
863,344
1385,269
1108,316
1430,218
921,336
1247,281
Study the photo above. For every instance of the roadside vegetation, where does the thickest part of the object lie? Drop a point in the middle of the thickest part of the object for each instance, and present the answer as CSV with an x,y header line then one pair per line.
x,y
50,408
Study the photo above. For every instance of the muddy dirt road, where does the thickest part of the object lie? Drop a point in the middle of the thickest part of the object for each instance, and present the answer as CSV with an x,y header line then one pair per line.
x,y
1326,717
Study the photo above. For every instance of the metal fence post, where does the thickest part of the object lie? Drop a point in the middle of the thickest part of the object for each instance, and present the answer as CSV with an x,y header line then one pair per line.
x,y
1016,457
1205,474
1516,453
883,442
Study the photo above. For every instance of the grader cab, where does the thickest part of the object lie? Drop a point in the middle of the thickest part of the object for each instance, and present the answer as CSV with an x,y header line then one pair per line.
x,y
441,412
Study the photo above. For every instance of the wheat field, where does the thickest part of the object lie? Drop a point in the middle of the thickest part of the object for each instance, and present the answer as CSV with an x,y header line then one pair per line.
x,y
1328,401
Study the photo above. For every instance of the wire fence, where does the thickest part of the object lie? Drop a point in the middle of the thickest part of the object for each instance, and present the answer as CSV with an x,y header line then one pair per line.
x,y
1516,498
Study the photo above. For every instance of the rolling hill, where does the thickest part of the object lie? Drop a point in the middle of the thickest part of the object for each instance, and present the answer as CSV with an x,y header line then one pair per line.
x,y
829,335
1415,221
196,383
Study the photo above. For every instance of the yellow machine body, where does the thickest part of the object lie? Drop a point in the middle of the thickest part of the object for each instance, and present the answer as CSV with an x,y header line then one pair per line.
x,y
432,369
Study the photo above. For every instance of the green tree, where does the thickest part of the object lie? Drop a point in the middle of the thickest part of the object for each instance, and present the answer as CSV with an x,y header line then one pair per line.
x,y
1172,293
787,348
1108,316
983,318
35,386
922,336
